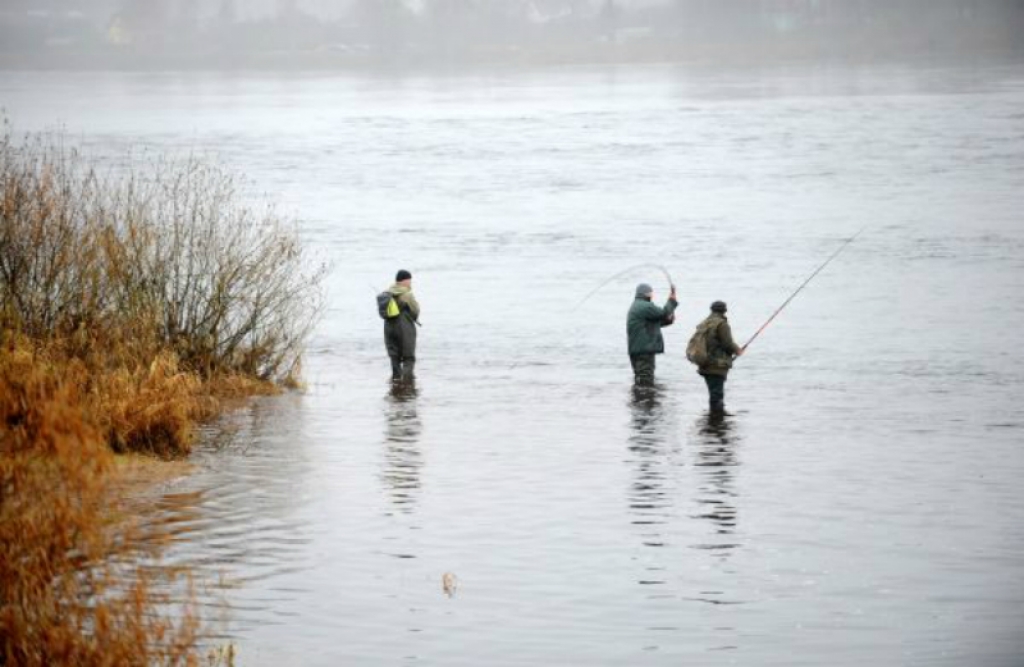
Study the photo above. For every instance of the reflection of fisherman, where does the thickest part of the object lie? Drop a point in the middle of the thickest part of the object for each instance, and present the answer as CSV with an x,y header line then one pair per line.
x,y
643,325
716,463
721,351
403,461
400,332
649,499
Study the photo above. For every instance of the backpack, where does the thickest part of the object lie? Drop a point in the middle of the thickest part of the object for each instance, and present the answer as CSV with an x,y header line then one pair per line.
x,y
697,349
387,307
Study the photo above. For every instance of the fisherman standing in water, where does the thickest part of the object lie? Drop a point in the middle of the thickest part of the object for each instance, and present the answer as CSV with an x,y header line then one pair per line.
x,y
400,328
643,326
721,349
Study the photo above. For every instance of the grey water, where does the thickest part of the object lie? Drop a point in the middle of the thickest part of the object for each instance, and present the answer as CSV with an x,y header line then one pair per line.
x,y
861,505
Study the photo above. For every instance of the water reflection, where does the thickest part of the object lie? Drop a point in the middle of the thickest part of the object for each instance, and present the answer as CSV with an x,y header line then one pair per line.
x,y
649,500
234,522
240,510
716,445
403,460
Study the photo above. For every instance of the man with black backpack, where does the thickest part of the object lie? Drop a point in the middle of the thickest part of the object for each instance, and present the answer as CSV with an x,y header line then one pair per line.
x,y
712,349
401,313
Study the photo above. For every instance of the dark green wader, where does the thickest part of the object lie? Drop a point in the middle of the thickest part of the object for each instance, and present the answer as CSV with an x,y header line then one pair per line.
x,y
643,368
716,392
400,341
644,323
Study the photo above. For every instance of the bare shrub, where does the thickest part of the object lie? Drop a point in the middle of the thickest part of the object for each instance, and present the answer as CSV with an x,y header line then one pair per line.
x,y
162,255
47,255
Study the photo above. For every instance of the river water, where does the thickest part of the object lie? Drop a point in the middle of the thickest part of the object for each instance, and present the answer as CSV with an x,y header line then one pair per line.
x,y
524,506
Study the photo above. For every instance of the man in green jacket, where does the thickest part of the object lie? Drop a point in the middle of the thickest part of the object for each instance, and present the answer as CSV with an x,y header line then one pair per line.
x,y
643,326
400,332
721,351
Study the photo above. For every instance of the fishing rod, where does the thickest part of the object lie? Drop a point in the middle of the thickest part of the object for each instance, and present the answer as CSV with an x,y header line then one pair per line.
x,y
647,265
799,289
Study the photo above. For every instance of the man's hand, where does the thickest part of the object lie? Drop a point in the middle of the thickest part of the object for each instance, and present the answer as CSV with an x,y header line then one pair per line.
x,y
739,353
672,293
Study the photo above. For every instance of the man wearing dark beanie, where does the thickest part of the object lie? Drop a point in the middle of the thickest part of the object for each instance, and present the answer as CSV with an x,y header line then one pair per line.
x,y
400,329
721,350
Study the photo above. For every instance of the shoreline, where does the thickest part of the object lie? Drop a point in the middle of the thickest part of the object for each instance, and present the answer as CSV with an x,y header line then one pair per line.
x,y
490,62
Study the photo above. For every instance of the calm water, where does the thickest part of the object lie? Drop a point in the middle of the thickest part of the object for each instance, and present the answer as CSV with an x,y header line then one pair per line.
x,y
863,504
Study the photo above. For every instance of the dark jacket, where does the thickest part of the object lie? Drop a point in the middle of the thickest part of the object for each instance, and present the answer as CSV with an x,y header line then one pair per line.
x,y
644,323
721,346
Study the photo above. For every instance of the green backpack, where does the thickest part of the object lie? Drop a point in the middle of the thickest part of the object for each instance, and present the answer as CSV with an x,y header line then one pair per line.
x,y
697,349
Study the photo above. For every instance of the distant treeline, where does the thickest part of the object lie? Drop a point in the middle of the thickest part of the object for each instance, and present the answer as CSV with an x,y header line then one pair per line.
x,y
226,33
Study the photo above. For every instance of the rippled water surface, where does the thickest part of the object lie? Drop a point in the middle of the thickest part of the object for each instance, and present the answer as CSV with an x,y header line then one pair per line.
x,y
861,506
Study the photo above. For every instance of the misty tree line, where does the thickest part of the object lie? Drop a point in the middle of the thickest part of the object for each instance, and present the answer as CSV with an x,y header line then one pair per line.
x,y
443,28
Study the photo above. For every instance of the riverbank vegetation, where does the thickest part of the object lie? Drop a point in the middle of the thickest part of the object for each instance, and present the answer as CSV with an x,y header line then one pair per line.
x,y
150,288
135,298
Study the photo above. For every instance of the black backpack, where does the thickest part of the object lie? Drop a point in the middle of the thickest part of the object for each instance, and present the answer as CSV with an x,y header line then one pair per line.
x,y
387,306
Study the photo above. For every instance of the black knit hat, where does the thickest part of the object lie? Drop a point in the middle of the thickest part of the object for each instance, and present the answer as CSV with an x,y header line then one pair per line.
x,y
718,307
402,275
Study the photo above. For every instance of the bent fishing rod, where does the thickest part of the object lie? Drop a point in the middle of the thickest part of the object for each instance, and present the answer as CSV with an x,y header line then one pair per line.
x,y
802,286
646,265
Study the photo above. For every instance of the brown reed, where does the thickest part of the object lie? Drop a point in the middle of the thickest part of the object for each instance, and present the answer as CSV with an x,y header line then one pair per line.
x,y
61,599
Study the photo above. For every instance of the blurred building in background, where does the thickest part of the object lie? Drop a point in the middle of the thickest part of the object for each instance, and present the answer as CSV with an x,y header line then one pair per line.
x,y
211,33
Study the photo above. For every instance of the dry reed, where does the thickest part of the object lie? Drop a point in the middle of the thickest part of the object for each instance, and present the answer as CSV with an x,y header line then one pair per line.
x,y
61,601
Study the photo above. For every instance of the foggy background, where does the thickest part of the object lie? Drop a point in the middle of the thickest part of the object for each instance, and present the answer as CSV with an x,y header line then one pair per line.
x,y
140,34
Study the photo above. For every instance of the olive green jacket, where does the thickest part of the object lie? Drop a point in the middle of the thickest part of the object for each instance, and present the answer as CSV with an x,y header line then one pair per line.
x,y
644,323
721,346
406,300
